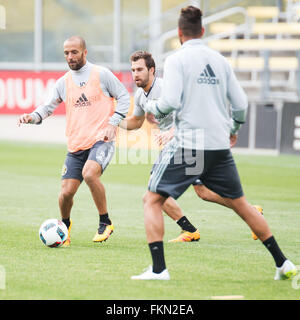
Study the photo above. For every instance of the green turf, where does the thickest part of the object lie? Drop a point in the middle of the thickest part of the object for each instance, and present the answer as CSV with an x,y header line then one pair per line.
x,y
226,261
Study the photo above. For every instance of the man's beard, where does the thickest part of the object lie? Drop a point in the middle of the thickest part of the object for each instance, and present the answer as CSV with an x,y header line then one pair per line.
x,y
143,83
77,65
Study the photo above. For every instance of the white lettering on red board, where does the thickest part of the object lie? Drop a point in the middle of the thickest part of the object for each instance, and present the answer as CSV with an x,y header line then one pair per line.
x,y
24,93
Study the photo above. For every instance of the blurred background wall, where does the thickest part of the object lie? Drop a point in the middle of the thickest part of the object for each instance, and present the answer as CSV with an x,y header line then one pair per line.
x,y
260,39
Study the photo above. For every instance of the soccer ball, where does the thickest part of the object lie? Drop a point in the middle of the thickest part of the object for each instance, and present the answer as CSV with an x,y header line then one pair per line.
x,y
53,233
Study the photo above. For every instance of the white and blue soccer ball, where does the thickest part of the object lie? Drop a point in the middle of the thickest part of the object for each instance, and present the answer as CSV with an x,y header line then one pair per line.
x,y
53,233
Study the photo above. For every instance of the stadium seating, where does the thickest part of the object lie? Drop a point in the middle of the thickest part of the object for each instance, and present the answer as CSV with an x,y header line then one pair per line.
x,y
258,63
262,12
228,45
264,50
259,28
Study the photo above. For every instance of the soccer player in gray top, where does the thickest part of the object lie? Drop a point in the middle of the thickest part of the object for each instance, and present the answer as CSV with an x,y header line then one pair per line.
x,y
197,84
91,123
149,87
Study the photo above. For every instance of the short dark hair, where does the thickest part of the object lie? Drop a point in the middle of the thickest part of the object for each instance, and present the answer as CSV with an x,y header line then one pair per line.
x,y
190,21
149,61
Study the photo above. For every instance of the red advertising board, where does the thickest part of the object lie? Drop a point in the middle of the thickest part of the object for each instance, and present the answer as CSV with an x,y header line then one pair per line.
x,y
22,91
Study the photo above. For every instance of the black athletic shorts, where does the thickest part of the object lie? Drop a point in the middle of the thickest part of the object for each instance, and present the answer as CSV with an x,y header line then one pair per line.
x,y
101,152
176,169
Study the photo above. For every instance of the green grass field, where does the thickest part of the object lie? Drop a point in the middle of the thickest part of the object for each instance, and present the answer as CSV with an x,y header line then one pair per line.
x,y
226,261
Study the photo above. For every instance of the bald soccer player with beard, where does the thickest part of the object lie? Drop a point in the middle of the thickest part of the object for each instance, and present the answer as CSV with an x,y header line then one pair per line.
x,y
88,91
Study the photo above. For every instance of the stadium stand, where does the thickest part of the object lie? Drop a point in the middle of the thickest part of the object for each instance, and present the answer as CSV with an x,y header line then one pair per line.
x,y
264,50
266,44
262,12
257,63
261,29
230,45
262,44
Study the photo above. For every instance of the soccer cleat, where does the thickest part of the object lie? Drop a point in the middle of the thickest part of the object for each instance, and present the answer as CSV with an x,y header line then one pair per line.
x,y
68,241
186,236
103,233
150,275
286,271
260,210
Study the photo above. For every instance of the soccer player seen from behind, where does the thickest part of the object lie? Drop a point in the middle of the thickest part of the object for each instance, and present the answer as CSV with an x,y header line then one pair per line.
x,y
150,87
88,91
197,84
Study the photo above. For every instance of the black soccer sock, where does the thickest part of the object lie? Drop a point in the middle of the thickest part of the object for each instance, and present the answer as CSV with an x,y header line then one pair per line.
x,y
103,218
186,225
158,258
66,222
275,251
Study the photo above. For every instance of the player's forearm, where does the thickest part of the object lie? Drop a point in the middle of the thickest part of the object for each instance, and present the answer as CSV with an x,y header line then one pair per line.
x,y
238,100
116,90
159,108
41,113
131,123
123,103
239,118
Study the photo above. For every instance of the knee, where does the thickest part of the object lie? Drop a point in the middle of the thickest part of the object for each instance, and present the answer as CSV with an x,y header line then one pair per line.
x,y
67,194
89,177
150,198
91,172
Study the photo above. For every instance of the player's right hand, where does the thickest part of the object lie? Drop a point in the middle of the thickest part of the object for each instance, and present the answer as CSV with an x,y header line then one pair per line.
x,y
24,118
164,137
233,140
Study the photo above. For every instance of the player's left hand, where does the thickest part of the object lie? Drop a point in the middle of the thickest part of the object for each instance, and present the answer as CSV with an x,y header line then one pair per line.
x,y
233,140
109,133
24,118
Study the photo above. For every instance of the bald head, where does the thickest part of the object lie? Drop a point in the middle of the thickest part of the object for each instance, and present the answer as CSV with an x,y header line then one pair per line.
x,y
77,39
75,52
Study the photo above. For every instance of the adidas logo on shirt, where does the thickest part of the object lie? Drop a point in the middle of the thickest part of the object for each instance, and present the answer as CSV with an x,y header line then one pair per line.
x,y
208,76
82,101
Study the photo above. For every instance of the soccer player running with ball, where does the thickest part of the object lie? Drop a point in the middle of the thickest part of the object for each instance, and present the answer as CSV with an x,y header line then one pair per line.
x,y
91,123
197,84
